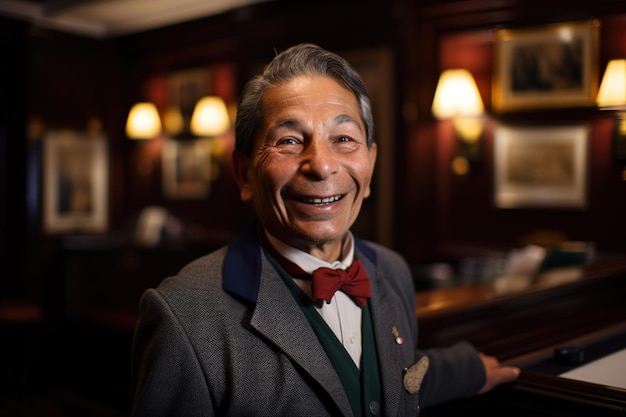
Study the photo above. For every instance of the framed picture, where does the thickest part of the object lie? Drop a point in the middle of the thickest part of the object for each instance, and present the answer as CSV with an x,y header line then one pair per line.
x,y
551,66
187,168
542,167
75,185
184,89
177,93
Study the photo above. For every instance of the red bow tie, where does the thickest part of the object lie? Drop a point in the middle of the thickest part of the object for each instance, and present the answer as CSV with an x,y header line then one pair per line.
x,y
354,282
326,281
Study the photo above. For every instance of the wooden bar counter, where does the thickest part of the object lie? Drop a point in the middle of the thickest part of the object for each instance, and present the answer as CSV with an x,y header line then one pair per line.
x,y
522,322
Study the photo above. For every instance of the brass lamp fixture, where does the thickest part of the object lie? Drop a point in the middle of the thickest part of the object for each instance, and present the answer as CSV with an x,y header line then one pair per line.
x,y
612,96
457,98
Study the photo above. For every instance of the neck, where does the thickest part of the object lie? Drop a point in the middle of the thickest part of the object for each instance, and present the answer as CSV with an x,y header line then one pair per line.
x,y
307,260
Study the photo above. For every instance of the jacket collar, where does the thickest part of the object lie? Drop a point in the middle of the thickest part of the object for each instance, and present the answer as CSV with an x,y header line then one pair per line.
x,y
243,264
243,273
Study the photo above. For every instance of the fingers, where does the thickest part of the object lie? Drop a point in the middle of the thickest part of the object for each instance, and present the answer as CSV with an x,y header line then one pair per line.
x,y
496,374
505,374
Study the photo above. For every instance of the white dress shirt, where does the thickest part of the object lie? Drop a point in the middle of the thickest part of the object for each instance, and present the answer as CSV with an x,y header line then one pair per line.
x,y
342,314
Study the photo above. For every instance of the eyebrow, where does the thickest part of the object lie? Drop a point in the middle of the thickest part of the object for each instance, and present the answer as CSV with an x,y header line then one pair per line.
x,y
295,123
344,118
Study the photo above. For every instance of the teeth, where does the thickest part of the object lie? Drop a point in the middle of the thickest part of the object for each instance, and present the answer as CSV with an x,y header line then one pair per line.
x,y
322,200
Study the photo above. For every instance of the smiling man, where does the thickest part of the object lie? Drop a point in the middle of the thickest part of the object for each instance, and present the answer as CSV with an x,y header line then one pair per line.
x,y
311,167
298,316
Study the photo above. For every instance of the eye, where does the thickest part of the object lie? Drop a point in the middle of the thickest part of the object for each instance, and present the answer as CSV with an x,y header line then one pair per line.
x,y
346,144
289,145
287,141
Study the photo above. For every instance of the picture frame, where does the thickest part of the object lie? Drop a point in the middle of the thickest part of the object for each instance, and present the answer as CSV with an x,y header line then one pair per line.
x,y
540,167
187,168
184,89
546,67
75,182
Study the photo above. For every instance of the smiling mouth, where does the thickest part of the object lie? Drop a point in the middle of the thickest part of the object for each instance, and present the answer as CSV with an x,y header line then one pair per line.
x,y
321,201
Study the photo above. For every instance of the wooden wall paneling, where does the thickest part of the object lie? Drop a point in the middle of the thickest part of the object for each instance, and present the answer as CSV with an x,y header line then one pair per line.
x,y
467,217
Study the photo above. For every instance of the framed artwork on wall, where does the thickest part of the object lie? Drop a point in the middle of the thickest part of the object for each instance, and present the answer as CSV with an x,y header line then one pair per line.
x,y
540,167
547,67
75,186
187,168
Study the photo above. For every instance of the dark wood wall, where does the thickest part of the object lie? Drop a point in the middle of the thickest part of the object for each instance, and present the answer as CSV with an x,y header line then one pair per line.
x,y
246,40
448,216
462,207
87,286
13,217
68,81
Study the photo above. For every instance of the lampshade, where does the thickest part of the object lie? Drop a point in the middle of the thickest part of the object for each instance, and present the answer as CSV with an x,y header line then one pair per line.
x,y
210,117
143,121
612,92
457,95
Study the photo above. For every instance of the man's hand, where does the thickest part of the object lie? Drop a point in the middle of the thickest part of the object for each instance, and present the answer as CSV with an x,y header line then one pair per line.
x,y
496,373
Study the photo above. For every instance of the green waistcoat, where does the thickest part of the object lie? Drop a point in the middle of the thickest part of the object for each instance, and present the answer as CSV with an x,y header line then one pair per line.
x,y
361,386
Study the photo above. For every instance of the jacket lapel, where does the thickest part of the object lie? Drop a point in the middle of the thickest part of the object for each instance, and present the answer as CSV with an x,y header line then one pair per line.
x,y
277,316
384,316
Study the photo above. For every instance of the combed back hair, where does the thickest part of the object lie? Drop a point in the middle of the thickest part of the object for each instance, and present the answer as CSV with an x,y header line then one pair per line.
x,y
299,60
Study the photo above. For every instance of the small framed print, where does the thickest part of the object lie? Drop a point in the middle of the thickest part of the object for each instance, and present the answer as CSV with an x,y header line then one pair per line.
x,y
75,185
546,67
541,167
187,168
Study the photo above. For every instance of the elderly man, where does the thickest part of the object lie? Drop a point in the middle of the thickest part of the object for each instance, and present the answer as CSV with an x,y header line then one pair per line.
x,y
298,317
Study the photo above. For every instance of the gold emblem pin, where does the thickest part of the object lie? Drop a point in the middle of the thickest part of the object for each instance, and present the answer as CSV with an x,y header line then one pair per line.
x,y
396,333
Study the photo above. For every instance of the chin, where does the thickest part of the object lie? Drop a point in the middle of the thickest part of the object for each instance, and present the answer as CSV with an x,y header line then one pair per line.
x,y
314,236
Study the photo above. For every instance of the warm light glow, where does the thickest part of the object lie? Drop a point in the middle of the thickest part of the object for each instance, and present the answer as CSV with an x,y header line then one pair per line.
x,y
173,122
210,117
143,121
460,165
612,92
457,95
469,129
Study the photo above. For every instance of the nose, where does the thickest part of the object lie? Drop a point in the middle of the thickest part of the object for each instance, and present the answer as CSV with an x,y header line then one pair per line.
x,y
319,159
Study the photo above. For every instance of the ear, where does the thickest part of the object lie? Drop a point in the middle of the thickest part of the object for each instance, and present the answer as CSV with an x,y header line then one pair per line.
x,y
241,165
373,152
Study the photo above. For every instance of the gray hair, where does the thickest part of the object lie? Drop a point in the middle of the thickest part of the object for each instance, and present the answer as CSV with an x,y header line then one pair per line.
x,y
299,60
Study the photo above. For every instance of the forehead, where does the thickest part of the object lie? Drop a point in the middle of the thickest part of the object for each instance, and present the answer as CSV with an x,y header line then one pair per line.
x,y
308,92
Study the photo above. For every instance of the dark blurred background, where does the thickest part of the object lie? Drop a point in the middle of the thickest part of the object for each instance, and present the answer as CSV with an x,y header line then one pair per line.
x,y
70,280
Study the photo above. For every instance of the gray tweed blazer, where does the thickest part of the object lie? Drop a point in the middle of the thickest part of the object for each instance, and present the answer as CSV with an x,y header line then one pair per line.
x,y
225,337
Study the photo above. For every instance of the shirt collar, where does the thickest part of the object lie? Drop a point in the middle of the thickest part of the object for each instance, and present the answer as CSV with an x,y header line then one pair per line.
x,y
243,263
308,262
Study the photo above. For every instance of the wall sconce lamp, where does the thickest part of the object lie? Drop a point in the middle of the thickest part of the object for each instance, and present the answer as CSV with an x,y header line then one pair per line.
x,y
143,121
457,98
209,119
612,96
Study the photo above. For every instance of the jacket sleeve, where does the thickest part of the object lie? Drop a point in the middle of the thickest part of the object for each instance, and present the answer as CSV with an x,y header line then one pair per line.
x,y
454,372
166,378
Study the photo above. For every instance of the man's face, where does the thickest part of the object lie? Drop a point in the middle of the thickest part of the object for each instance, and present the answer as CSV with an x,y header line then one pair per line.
x,y
310,168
